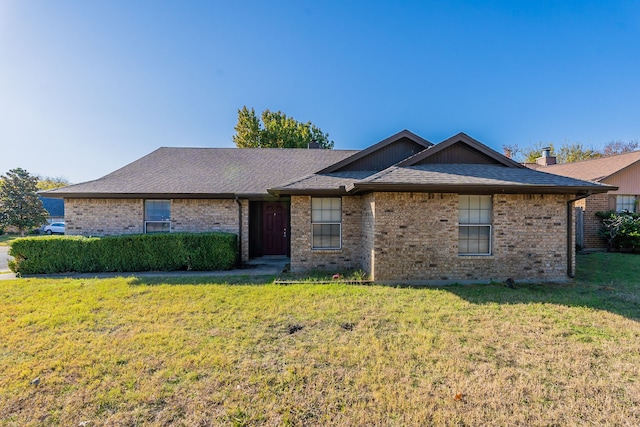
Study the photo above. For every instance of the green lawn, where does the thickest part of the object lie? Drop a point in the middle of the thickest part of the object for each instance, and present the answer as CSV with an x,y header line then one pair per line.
x,y
148,352
6,239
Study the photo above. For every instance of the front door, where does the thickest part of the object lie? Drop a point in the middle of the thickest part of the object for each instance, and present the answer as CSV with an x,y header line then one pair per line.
x,y
275,233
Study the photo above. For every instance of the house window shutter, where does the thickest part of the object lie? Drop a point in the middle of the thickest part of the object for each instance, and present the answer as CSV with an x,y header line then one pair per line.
x,y
612,202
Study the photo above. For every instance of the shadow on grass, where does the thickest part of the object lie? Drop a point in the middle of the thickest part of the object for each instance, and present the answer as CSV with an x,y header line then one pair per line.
x,y
604,281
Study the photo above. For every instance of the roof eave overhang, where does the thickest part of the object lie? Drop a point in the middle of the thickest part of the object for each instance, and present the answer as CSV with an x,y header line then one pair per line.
x,y
481,188
145,195
308,192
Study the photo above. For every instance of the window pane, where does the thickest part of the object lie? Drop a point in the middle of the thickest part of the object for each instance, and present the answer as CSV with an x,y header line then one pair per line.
x,y
326,236
157,210
474,240
485,216
625,203
158,227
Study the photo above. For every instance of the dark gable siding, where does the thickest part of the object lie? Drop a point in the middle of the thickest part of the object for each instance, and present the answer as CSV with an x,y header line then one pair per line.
x,y
459,153
385,156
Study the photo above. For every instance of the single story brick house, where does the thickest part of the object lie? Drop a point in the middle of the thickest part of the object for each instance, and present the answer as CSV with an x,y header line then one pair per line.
x,y
402,210
622,171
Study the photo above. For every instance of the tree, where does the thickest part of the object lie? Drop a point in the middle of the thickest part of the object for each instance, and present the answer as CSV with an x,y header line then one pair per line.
x,y
48,183
566,154
277,130
570,153
531,154
19,203
619,147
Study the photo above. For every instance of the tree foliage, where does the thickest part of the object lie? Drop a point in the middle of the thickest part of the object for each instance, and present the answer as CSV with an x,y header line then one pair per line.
x,y
567,153
576,152
19,203
532,153
276,130
620,147
49,183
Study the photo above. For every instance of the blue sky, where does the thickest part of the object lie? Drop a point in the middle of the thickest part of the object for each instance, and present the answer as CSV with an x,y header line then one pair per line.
x,y
89,86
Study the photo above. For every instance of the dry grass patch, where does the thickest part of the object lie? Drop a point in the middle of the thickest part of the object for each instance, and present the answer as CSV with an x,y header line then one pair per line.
x,y
122,352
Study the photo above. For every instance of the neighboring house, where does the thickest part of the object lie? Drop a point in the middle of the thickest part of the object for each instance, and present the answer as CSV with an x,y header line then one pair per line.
x,y
54,208
401,210
622,171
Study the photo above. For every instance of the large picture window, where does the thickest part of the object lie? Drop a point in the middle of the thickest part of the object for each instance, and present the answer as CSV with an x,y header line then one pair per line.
x,y
326,222
475,219
157,216
625,203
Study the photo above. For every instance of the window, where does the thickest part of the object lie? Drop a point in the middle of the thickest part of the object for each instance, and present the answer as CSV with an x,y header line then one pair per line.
x,y
326,222
625,203
157,216
474,236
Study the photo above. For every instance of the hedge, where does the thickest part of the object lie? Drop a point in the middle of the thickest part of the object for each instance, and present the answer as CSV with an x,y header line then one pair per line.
x,y
135,252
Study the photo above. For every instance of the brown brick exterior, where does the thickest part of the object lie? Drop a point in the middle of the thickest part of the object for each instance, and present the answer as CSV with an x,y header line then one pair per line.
x,y
304,258
591,223
103,217
413,237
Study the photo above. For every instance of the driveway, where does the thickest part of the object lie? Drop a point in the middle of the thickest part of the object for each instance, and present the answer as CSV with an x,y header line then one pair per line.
x,y
4,258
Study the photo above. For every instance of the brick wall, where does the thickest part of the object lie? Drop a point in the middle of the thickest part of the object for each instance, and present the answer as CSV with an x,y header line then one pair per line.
x,y
413,237
591,224
102,217
368,230
304,258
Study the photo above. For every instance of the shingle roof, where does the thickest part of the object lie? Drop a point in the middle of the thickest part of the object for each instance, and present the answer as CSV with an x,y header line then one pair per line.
x,y
447,177
594,169
221,172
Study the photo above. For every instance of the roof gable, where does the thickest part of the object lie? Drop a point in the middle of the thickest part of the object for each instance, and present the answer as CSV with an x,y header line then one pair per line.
x,y
460,149
385,153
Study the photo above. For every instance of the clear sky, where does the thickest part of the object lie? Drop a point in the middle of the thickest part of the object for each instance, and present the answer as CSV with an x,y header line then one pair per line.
x,y
89,86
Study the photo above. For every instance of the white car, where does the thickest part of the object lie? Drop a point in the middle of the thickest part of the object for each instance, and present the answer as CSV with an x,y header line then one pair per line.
x,y
54,228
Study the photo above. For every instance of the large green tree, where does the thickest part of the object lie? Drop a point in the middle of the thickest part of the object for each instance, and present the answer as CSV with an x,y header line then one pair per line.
x,y
277,130
19,203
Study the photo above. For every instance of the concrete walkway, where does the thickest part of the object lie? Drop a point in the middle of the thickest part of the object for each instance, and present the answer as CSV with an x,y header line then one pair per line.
x,y
265,266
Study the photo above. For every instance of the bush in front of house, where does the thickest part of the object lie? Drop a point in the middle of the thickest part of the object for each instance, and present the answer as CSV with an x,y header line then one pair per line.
x,y
137,252
621,230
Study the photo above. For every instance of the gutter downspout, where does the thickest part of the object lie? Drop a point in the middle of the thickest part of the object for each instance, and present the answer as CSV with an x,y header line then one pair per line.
x,y
570,246
239,260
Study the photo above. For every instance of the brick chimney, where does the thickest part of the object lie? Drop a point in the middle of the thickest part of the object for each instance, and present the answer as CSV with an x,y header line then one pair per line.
x,y
547,159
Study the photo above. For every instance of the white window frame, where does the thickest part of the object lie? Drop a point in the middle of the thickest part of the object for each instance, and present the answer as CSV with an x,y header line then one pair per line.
x,y
163,221
479,224
630,200
321,222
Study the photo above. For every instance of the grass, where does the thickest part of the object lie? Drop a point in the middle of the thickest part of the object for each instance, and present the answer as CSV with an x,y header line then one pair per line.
x,y
6,239
128,351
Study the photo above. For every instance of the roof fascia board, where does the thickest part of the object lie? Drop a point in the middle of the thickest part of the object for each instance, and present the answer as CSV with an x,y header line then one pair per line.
x,y
385,142
469,141
147,195
481,188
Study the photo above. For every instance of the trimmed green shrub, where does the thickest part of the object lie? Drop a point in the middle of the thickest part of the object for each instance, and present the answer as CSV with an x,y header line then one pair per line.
x,y
136,252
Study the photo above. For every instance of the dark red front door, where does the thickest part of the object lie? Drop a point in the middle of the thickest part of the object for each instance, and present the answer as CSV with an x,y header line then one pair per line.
x,y
275,235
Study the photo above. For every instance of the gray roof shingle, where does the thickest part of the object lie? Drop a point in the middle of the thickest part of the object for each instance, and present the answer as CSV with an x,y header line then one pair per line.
x,y
207,172
434,177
